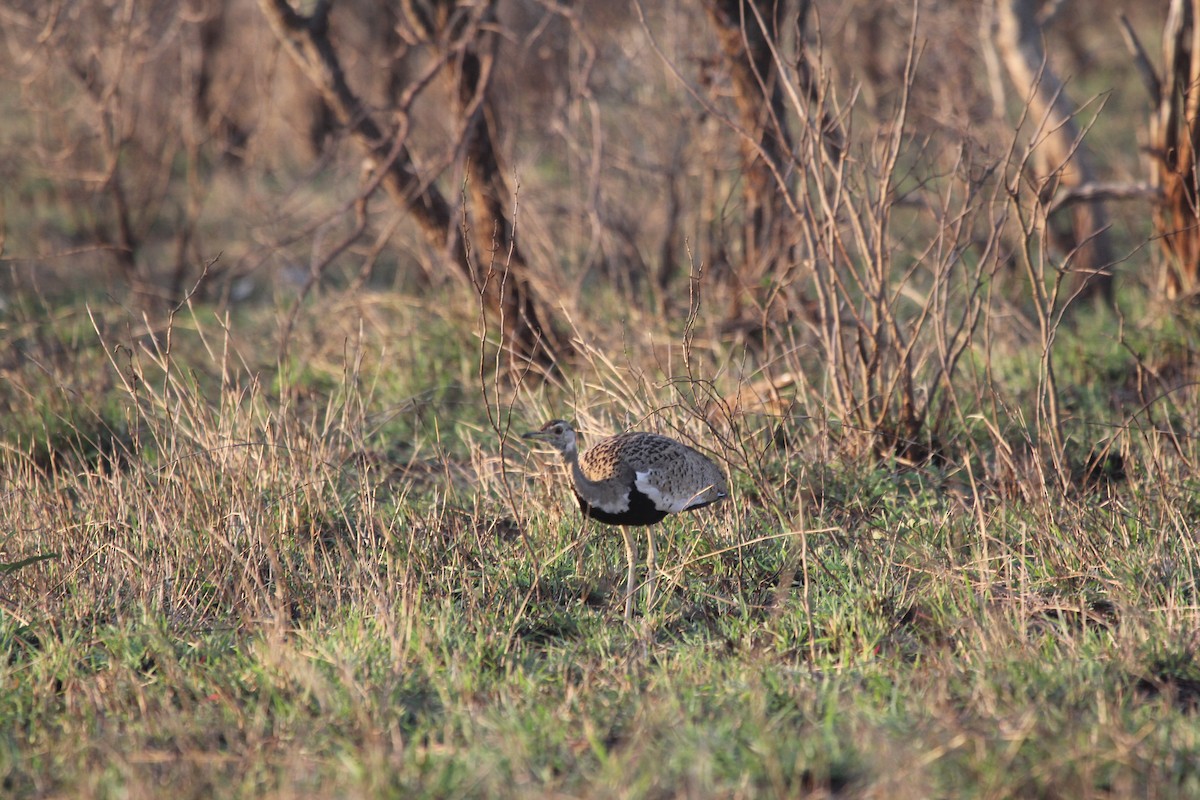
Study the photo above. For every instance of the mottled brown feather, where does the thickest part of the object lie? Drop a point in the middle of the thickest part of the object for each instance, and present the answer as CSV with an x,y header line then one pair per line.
x,y
621,473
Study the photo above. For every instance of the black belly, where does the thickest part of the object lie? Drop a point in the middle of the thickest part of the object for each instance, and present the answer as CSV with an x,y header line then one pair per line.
x,y
641,511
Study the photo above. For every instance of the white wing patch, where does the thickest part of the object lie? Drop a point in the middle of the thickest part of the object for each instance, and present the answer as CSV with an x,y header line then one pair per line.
x,y
618,507
673,505
614,505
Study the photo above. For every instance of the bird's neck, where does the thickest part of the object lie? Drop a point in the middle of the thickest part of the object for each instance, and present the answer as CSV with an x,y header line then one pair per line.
x,y
571,461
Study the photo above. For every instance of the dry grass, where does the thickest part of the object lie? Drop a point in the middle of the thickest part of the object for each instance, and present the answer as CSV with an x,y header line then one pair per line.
x,y
336,578
959,558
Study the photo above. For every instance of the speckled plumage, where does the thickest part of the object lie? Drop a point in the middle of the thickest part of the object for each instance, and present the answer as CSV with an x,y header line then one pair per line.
x,y
608,478
635,479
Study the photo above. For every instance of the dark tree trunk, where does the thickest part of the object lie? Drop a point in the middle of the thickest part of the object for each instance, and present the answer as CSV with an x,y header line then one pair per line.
x,y
746,44
504,281
499,270
1174,138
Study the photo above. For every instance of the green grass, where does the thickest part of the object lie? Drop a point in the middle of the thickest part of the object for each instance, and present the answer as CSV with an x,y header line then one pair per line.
x,y
331,585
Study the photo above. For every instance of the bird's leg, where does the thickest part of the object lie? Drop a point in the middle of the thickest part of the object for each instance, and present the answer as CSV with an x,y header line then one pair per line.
x,y
631,580
580,547
581,544
580,552
651,568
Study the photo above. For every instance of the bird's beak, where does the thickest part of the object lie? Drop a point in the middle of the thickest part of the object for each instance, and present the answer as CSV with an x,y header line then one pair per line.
x,y
532,435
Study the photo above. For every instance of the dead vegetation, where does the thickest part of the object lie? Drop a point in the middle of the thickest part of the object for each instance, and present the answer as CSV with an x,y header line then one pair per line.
x,y
282,282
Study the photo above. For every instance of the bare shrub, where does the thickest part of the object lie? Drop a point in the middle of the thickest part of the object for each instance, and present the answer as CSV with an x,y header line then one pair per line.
x,y
106,99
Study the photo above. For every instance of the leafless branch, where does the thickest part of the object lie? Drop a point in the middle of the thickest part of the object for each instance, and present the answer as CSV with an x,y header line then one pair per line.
x,y
1094,191
1140,60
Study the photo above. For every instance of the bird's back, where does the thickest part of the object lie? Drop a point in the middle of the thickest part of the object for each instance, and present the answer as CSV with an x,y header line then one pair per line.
x,y
672,475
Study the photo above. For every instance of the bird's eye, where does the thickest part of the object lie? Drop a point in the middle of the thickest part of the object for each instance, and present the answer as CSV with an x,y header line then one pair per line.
x,y
558,430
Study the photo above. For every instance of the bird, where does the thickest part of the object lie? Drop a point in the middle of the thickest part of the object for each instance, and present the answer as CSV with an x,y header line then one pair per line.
x,y
634,479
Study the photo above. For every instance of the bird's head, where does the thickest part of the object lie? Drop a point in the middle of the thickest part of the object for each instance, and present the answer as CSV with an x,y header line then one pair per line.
x,y
557,433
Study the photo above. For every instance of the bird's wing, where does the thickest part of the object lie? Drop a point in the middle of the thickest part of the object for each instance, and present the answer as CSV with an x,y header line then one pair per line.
x,y
648,483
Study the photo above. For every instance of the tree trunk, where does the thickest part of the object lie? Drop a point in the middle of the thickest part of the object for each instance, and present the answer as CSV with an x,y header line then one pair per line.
x,y
504,285
766,145
1062,154
1174,137
499,271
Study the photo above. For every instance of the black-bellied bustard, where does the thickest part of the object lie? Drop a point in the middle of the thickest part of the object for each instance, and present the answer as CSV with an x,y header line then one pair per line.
x,y
635,478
